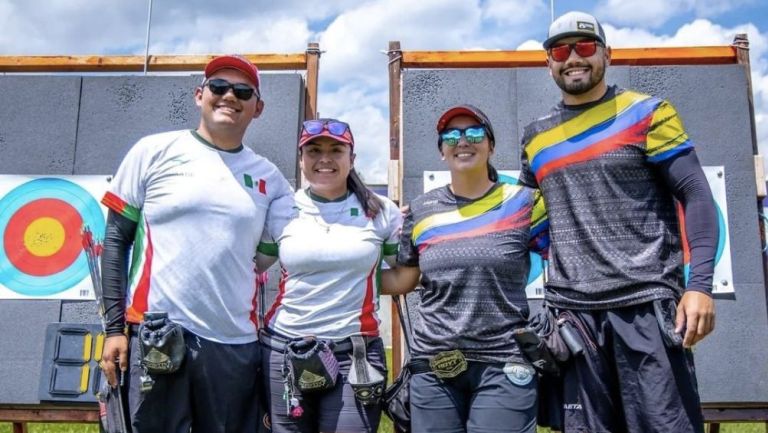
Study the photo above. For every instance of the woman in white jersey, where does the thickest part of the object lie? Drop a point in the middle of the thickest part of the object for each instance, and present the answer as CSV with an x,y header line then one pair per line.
x,y
324,362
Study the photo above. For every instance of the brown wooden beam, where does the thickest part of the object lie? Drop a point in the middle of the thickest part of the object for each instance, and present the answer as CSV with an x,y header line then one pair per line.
x,y
163,63
534,58
313,70
23,415
395,67
735,413
395,180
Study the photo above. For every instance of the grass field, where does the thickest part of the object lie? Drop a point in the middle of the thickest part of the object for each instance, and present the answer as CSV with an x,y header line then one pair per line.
x,y
385,427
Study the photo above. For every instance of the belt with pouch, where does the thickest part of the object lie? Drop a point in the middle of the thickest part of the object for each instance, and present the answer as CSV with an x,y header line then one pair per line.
x,y
309,366
277,342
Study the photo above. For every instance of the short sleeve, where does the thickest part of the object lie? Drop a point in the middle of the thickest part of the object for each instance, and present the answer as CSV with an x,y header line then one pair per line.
x,y
666,136
527,176
127,189
407,254
393,227
282,209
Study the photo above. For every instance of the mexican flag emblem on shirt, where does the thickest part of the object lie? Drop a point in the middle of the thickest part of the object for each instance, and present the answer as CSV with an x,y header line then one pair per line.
x,y
248,181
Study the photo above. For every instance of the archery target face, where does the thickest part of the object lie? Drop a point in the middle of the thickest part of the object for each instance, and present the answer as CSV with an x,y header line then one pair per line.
x,y
40,223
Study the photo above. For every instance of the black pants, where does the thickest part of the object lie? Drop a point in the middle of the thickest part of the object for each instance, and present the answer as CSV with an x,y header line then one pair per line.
x,y
214,391
628,379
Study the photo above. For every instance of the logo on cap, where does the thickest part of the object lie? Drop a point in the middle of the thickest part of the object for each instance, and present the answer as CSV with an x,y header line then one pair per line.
x,y
584,25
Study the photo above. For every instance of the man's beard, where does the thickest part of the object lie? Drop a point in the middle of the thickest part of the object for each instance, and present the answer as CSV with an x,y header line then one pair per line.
x,y
581,87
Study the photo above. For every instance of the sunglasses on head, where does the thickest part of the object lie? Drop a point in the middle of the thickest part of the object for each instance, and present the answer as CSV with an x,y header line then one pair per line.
x,y
335,127
220,87
560,53
473,134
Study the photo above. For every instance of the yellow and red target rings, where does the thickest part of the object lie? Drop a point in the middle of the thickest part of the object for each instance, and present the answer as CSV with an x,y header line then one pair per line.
x,y
41,222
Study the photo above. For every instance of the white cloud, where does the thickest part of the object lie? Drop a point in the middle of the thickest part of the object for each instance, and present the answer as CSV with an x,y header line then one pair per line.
x,y
188,27
650,13
712,8
700,32
353,40
76,27
513,12
354,72
281,35
655,13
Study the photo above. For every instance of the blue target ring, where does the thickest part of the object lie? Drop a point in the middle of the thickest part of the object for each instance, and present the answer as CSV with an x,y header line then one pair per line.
x,y
537,263
48,188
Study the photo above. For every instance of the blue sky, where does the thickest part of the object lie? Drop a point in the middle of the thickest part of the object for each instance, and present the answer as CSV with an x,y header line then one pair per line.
x,y
353,72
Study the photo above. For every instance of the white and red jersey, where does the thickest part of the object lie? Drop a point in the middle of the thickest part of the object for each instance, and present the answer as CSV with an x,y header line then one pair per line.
x,y
200,214
330,258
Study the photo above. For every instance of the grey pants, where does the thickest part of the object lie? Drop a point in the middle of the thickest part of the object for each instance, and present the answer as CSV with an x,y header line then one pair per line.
x,y
484,398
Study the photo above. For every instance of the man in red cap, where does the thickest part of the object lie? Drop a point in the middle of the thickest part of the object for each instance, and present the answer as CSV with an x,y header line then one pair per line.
x,y
192,205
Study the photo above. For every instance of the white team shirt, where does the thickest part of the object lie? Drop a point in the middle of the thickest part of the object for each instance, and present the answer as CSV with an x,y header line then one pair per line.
x,y
331,257
200,214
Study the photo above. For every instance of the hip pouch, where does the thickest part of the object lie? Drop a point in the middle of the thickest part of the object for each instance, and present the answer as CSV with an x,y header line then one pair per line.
x,y
366,380
545,325
161,344
312,366
535,350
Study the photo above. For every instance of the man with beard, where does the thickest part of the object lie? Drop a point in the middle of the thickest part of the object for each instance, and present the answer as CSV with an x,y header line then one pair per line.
x,y
610,163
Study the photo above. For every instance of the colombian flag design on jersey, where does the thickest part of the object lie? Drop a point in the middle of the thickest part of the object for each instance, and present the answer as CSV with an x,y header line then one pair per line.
x,y
629,119
508,207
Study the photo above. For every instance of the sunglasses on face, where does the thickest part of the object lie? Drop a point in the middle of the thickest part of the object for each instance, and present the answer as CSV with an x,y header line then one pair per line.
x,y
560,53
220,87
473,134
335,127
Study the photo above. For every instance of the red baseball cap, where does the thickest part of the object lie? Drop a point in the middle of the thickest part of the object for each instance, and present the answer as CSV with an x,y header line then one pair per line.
x,y
234,61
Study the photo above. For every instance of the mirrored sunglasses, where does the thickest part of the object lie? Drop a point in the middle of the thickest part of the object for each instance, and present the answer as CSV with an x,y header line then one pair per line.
x,y
335,127
473,134
560,53
220,87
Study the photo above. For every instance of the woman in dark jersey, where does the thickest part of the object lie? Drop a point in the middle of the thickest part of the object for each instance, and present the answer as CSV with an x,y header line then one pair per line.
x,y
469,242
